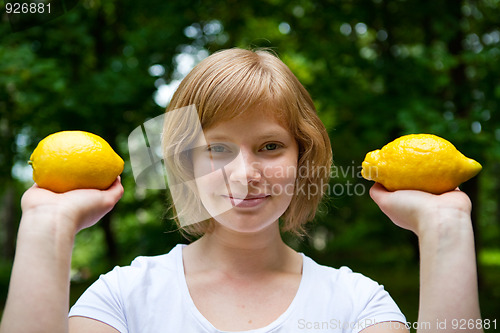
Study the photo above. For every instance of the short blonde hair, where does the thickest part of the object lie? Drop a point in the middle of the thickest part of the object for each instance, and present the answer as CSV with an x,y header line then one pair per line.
x,y
229,83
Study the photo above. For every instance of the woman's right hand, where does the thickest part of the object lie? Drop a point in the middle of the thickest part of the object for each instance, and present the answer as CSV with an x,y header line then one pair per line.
x,y
80,208
45,241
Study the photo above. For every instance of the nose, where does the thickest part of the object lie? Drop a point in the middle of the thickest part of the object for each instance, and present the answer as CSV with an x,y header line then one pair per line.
x,y
245,168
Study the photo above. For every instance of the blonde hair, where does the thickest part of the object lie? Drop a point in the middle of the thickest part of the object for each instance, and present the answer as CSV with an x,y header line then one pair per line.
x,y
229,83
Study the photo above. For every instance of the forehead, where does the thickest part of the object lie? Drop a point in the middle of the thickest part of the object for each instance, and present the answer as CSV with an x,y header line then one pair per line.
x,y
259,121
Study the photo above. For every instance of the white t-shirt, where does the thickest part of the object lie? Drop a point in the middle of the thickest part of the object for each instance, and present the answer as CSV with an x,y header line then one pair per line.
x,y
151,296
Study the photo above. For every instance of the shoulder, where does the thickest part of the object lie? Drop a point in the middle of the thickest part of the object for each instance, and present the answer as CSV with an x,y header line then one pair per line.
x,y
340,276
357,300
145,276
163,261
142,268
354,289
128,297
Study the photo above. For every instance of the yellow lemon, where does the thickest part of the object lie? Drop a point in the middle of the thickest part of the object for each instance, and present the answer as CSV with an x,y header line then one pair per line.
x,y
422,162
70,160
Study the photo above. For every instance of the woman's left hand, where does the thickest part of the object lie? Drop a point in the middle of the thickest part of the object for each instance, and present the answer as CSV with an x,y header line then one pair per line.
x,y
417,210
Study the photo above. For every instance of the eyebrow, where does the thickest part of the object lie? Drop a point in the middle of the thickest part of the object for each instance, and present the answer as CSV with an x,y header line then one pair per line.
x,y
264,136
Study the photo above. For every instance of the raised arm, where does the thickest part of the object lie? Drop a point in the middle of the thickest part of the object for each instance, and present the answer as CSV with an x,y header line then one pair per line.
x,y
38,298
448,278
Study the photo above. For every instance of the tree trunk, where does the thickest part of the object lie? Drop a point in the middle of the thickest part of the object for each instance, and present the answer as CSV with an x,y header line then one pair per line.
x,y
109,237
9,221
459,93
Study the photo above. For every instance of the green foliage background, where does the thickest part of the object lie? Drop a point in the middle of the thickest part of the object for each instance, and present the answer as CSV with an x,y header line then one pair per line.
x,y
376,69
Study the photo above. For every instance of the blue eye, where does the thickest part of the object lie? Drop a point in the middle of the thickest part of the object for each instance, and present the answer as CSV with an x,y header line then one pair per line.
x,y
217,149
271,146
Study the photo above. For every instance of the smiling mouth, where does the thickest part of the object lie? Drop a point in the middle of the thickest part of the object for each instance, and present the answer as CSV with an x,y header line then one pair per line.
x,y
247,202
248,197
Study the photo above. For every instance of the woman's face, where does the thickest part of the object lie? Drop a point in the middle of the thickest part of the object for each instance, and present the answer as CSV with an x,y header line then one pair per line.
x,y
246,171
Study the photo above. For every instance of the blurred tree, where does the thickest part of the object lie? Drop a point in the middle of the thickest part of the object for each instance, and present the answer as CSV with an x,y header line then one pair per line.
x,y
376,69
381,69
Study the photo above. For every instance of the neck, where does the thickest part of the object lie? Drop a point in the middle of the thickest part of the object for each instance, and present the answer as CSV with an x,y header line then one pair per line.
x,y
243,254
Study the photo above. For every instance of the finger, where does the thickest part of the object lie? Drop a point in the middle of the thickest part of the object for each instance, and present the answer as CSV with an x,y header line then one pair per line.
x,y
116,183
377,191
116,189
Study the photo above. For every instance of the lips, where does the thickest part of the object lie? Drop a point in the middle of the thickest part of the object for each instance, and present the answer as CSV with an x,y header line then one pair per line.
x,y
248,201
247,197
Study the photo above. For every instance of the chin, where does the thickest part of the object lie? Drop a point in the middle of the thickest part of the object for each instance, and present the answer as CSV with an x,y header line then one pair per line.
x,y
244,223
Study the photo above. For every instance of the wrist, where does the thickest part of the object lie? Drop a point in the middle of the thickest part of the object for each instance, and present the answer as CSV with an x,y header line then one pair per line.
x,y
445,224
48,221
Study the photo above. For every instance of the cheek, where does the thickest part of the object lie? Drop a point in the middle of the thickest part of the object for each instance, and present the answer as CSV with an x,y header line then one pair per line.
x,y
209,182
210,188
281,172
205,173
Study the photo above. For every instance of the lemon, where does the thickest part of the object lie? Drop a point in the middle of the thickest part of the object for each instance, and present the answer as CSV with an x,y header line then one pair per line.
x,y
70,160
422,162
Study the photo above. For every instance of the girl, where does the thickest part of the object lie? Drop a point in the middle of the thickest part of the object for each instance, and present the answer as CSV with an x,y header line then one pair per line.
x,y
237,184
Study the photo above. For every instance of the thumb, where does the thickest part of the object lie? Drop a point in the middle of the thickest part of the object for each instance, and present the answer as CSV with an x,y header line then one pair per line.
x,y
378,193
